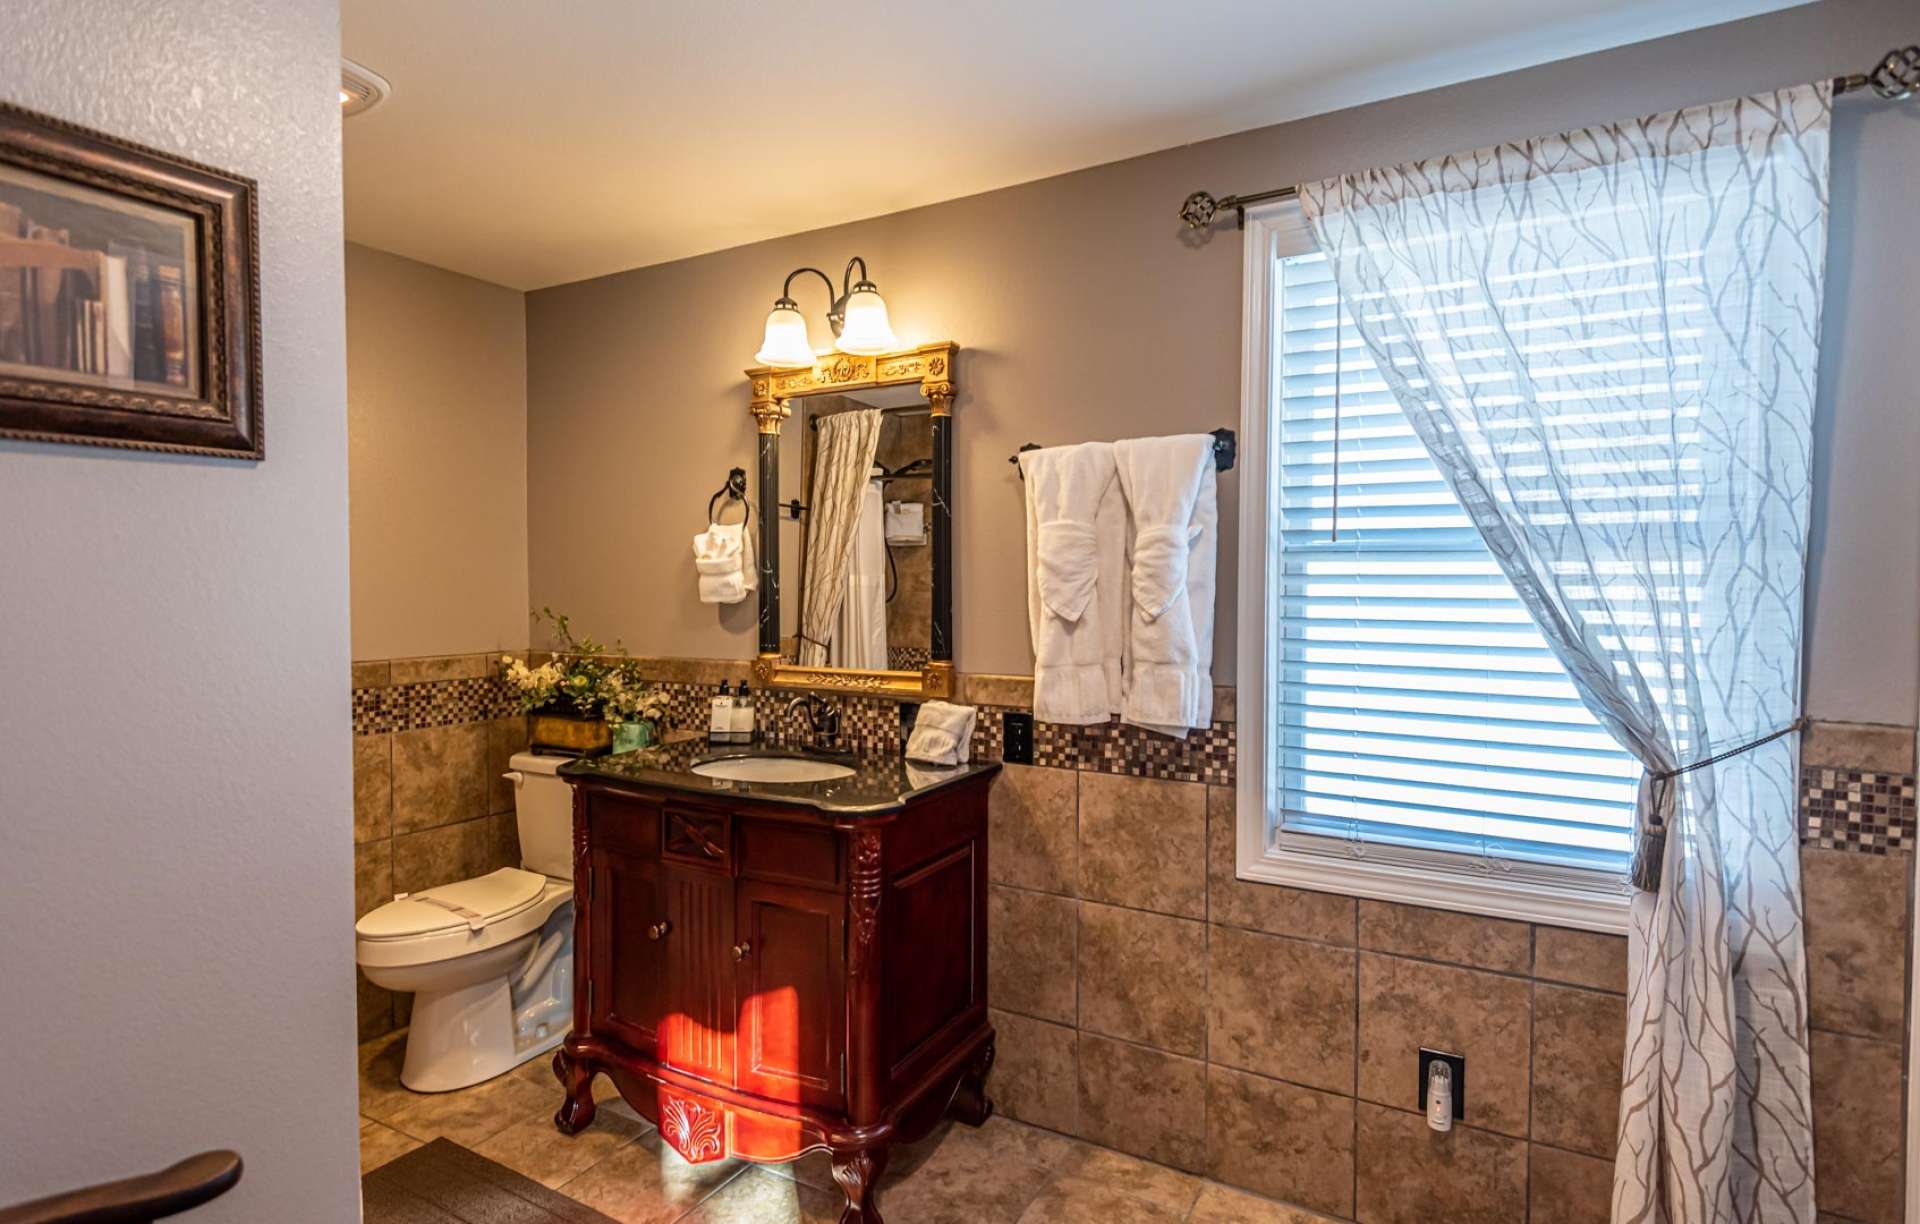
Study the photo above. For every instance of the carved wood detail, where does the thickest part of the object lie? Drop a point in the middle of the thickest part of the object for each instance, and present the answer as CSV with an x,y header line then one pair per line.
x,y
866,881
933,682
696,1132
858,1175
576,1078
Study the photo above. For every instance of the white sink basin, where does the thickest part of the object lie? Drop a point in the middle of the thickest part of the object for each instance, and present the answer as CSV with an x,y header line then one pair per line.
x,y
772,769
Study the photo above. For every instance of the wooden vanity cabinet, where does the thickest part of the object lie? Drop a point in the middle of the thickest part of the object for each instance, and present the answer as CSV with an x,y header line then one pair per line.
x,y
763,980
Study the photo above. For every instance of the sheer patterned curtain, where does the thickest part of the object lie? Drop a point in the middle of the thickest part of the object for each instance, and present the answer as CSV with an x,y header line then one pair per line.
x,y
1607,340
843,457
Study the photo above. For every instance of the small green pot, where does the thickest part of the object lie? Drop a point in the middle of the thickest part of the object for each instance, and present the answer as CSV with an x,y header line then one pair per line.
x,y
629,736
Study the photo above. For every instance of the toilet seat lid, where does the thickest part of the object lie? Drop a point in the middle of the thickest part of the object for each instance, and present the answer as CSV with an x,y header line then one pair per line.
x,y
472,904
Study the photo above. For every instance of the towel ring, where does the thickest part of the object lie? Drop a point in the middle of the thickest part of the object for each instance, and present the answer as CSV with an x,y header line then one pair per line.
x,y
734,490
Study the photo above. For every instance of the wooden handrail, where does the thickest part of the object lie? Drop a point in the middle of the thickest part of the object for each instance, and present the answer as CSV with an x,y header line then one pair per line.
x,y
135,1200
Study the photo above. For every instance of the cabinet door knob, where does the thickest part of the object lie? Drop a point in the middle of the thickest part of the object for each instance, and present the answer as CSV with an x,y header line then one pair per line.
x,y
741,949
659,930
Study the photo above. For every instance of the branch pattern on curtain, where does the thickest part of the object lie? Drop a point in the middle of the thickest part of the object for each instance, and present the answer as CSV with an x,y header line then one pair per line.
x,y
843,458
1608,342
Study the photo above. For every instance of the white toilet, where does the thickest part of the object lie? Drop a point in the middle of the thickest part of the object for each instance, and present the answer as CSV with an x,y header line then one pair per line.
x,y
489,961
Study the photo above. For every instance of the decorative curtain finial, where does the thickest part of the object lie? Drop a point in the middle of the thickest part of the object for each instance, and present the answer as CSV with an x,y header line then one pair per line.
x,y
1897,77
1198,210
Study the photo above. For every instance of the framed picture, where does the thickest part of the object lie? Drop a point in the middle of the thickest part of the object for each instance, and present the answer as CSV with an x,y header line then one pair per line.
x,y
129,294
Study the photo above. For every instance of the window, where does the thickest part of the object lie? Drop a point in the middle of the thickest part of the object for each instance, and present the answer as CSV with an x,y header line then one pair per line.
x,y
1414,739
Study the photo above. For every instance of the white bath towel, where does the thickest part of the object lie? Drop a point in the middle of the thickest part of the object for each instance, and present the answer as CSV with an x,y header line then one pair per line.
x,y
1169,485
1076,581
942,734
723,557
860,627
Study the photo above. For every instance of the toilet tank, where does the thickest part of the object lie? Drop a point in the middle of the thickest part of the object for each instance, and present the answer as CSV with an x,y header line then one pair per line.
x,y
543,809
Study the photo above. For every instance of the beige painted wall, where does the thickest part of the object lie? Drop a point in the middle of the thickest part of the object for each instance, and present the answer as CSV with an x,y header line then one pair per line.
x,y
1085,311
437,459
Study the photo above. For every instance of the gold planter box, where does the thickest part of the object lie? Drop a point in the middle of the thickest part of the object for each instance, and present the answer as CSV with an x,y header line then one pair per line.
x,y
569,733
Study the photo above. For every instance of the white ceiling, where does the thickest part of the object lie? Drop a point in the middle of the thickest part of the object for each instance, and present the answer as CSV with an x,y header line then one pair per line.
x,y
533,143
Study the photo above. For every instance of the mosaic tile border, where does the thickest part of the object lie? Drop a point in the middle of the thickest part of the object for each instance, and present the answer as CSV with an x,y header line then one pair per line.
x,y
867,725
438,703
1851,809
1840,809
908,658
1210,755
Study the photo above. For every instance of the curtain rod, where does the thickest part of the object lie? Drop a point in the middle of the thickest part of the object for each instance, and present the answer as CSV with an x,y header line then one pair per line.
x,y
813,422
1894,79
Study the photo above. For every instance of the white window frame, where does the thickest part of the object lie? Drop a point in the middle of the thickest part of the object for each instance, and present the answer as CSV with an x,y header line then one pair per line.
x,y
1558,896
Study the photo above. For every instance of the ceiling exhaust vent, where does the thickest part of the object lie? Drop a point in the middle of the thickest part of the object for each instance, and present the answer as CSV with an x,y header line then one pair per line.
x,y
361,88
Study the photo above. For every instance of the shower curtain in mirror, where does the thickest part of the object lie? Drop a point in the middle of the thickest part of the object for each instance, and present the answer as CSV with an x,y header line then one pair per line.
x,y
860,629
843,457
1607,340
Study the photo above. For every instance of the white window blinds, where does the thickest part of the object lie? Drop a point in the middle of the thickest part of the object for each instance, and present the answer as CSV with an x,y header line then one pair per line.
x,y
1415,704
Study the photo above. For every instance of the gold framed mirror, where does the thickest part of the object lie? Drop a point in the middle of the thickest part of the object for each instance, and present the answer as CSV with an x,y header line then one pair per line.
x,y
856,570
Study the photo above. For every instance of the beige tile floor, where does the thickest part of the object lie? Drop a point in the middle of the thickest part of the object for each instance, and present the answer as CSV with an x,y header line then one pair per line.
x,y
1001,1173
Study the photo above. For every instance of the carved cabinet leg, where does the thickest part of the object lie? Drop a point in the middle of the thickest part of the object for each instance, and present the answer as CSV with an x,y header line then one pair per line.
x,y
971,1104
859,1176
576,1112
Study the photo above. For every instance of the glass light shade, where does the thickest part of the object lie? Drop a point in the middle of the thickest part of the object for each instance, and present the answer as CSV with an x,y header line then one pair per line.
x,y
787,345
866,332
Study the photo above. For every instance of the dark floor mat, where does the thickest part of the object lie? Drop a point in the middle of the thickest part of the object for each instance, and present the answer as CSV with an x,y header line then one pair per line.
x,y
444,1183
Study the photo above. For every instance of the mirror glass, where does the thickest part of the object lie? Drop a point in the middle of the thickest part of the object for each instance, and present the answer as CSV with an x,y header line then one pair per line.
x,y
856,566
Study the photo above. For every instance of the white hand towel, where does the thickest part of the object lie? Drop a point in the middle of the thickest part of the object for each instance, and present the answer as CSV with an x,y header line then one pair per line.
x,y
942,734
1076,594
1170,488
722,588
723,557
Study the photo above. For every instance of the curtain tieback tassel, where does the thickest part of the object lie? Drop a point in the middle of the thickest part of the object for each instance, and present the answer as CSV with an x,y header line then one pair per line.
x,y
1651,849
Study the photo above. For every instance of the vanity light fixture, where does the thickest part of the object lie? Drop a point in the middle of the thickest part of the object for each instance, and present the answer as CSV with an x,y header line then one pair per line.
x,y
858,316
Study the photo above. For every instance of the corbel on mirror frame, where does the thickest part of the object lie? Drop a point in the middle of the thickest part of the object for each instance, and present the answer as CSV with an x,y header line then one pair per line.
x,y
932,366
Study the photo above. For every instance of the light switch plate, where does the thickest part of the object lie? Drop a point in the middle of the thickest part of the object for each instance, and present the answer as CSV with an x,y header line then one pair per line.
x,y
1017,731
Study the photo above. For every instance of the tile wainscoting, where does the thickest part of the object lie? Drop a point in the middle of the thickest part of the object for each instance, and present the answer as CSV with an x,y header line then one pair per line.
x,y
1149,1001
431,739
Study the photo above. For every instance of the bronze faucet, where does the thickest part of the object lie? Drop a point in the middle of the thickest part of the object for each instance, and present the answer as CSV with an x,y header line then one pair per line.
x,y
823,719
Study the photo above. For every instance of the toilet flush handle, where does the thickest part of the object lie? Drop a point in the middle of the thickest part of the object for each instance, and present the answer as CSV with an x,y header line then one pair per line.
x,y
514,776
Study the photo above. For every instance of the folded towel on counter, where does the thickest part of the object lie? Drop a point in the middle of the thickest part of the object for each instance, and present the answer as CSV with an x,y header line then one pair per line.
x,y
1169,484
942,734
906,523
723,557
1076,581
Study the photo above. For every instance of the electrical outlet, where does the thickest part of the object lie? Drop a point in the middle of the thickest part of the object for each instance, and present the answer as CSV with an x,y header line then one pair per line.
x,y
1459,1064
1018,734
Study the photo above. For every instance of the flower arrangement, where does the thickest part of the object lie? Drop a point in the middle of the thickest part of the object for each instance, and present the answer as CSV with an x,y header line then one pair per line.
x,y
585,680
625,699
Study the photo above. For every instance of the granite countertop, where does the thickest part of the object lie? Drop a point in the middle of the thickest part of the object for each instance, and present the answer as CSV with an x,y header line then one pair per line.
x,y
878,785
